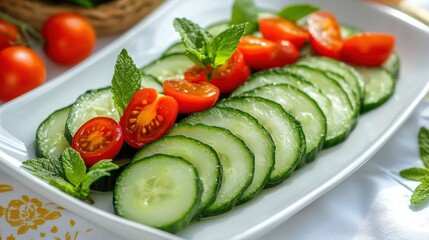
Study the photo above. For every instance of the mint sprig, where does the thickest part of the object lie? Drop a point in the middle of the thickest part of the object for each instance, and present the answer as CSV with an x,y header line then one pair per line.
x,y
245,11
421,193
69,174
297,11
204,49
126,81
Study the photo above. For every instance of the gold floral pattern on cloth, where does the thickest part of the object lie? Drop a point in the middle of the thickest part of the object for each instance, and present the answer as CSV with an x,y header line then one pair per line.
x,y
30,216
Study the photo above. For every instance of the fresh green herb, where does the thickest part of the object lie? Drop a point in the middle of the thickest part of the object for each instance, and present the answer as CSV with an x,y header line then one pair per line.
x,y
296,12
69,173
245,11
204,49
126,81
421,193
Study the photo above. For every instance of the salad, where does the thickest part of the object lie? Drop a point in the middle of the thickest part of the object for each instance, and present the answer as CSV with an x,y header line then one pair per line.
x,y
231,110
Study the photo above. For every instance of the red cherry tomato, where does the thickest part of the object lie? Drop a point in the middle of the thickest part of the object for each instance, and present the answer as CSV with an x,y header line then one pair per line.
x,y
260,53
9,34
369,49
196,73
21,70
192,97
70,38
230,75
148,116
325,35
277,29
97,139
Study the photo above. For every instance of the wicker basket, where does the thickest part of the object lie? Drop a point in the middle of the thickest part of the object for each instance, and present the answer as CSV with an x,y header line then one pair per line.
x,y
108,18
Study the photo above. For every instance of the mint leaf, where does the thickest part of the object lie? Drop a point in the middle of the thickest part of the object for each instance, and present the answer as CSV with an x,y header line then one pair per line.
x,y
295,12
423,139
224,44
105,165
420,194
245,11
45,168
415,174
66,187
90,178
74,166
126,81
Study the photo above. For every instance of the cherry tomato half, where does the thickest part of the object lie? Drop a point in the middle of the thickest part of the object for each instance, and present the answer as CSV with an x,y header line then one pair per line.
x,y
260,53
230,75
97,139
369,49
148,116
9,34
325,35
70,38
195,74
192,97
21,70
277,29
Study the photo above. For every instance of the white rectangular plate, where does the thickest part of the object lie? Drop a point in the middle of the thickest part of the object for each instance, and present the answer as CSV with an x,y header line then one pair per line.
x,y
146,41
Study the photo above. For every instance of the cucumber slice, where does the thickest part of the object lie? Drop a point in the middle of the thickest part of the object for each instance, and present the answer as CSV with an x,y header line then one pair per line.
x,y
93,103
350,76
149,81
379,87
252,133
348,31
236,159
50,139
392,65
177,47
172,66
343,117
202,156
303,108
284,129
159,191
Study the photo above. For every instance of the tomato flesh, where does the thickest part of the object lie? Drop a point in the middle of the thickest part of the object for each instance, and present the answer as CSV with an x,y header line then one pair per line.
x,y
260,53
21,70
70,38
368,49
325,35
278,29
9,34
232,74
192,97
196,73
148,116
97,139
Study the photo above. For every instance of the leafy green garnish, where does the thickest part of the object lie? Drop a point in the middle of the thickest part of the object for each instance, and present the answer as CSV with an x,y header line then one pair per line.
x,y
421,193
204,49
296,12
245,11
126,81
69,173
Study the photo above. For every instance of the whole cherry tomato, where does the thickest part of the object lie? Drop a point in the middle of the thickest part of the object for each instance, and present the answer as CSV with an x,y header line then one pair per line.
x,y
97,139
260,53
70,38
9,34
148,116
369,49
192,96
21,70
231,74
325,35
278,29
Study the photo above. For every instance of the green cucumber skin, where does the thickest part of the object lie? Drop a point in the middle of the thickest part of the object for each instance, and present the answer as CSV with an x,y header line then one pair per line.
x,y
171,227
41,146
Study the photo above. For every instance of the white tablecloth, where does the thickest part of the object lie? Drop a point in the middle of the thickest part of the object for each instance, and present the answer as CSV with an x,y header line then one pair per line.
x,y
371,204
